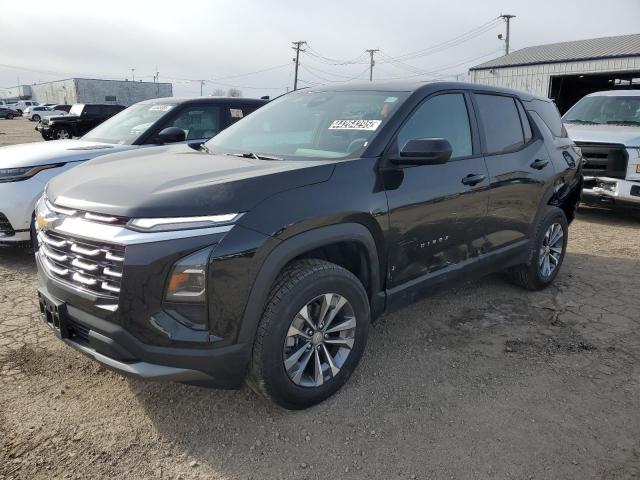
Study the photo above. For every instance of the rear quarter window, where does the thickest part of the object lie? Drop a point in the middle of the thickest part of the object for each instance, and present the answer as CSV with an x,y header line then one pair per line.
x,y
549,114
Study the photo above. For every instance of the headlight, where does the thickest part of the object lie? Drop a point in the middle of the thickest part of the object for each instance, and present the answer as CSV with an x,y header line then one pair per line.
x,y
185,296
23,173
181,223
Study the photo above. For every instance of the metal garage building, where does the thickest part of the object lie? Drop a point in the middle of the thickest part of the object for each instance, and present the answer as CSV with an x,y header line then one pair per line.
x,y
566,71
88,90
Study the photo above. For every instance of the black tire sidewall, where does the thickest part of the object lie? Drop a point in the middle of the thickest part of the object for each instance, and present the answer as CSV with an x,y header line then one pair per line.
x,y
278,384
35,118
554,215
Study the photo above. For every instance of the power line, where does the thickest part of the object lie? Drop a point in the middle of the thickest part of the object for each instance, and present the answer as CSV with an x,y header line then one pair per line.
x,y
453,42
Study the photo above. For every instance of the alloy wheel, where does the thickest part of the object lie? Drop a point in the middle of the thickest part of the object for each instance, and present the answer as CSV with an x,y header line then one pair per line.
x,y
62,134
319,340
551,249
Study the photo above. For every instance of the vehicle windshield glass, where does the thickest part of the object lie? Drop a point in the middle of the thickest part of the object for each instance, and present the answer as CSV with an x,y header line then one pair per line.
x,y
309,125
605,110
127,126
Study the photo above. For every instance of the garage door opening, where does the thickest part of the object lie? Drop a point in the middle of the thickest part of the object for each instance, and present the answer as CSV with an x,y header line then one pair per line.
x,y
566,90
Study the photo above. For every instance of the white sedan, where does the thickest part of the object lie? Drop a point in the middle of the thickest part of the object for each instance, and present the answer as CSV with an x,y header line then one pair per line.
x,y
35,114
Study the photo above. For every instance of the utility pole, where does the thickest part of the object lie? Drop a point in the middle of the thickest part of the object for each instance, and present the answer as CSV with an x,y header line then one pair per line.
x,y
297,46
133,76
201,85
372,62
506,18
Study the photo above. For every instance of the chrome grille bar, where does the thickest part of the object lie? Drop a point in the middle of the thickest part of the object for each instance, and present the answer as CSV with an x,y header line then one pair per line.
x,y
83,264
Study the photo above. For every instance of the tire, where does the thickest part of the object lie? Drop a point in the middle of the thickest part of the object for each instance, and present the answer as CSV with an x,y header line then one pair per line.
x,y
10,116
61,133
534,274
19,111
306,284
35,118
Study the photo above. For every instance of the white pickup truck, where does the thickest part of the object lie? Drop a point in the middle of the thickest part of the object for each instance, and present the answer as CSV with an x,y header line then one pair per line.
x,y
606,126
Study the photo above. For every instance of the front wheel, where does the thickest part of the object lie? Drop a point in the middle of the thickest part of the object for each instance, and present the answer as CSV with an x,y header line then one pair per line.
x,y
61,133
311,336
35,118
548,248
10,116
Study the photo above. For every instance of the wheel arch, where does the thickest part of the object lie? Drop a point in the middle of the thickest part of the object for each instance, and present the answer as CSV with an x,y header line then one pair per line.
x,y
306,245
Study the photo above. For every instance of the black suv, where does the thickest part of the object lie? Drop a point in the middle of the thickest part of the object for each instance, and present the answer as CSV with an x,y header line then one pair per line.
x,y
266,255
81,119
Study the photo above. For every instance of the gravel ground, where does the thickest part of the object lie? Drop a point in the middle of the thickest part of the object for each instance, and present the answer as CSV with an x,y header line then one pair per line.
x,y
482,381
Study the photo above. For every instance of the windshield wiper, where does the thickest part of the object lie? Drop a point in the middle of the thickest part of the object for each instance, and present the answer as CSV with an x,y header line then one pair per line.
x,y
204,148
585,122
622,122
257,156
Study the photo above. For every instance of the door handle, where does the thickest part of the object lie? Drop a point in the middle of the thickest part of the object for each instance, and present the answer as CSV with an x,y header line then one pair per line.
x,y
539,164
472,179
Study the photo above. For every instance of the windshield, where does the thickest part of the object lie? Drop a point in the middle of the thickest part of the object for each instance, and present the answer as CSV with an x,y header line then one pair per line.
x,y
605,110
125,127
76,110
309,124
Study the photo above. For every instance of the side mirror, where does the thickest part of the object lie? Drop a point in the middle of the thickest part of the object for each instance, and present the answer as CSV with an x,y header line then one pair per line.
x,y
171,135
424,151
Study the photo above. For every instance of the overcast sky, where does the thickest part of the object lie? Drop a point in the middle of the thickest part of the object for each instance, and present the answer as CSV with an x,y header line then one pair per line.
x,y
222,40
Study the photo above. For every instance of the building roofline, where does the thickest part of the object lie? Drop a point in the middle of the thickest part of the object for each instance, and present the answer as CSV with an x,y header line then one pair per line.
x,y
548,62
84,78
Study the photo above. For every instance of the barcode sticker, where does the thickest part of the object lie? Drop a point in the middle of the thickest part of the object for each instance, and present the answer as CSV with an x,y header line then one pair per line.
x,y
355,125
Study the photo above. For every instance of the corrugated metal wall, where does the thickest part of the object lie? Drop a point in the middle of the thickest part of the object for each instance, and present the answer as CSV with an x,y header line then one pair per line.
x,y
535,78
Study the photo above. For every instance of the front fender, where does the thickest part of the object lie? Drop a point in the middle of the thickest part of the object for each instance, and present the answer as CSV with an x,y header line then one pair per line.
x,y
293,247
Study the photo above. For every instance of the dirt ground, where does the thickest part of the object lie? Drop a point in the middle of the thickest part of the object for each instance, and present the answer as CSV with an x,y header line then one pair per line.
x,y
482,381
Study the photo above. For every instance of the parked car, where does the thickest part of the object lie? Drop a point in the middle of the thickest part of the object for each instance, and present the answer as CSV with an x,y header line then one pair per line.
x,y
266,255
25,169
62,106
35,114
81,118
21,105
606,126
8,113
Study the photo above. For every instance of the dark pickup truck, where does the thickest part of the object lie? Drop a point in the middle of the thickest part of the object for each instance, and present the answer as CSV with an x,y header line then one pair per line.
x,y
265,255
82,118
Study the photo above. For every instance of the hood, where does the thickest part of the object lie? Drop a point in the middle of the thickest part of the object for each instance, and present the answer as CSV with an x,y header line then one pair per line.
x,y
173,181
624,134
57,151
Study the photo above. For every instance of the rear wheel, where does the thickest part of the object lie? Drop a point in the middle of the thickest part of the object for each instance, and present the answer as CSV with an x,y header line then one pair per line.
x,y
36,118
548,248
10,116
61,133
311,336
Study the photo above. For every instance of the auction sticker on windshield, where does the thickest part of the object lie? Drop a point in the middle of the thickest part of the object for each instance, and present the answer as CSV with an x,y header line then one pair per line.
x,y
355,125
160,108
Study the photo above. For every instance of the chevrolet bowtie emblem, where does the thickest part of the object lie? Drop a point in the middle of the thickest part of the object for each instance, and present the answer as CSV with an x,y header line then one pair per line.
x,y
42,222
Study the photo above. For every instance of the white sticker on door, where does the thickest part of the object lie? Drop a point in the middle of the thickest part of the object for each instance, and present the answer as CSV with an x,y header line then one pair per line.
x,y
355,125
235,112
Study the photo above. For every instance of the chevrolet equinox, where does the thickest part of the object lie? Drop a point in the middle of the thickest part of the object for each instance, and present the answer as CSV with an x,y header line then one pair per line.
x,y
264,256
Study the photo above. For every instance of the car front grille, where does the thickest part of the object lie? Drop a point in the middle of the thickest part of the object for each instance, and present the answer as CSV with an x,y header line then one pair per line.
x,y
90,266
604,159
6,230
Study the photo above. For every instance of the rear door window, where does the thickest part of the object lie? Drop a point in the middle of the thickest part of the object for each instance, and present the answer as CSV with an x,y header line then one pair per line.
x,y
501,122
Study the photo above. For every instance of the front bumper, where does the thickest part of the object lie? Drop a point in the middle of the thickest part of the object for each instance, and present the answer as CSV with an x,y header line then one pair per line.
x,y
611,191
115,348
